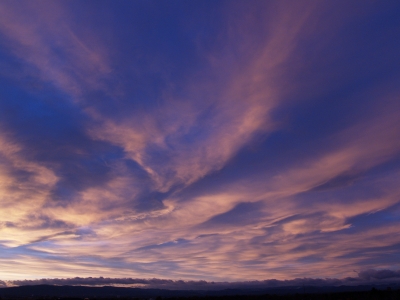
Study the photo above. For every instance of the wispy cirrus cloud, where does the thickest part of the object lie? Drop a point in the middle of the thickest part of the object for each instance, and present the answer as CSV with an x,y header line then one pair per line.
x,y
199,132
25,188
43,37
261,142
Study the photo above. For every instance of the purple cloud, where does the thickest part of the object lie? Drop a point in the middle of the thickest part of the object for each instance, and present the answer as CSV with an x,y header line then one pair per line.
x,y
372,276
203,141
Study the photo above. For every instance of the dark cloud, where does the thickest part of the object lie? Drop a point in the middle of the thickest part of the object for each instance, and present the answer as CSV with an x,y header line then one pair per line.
x,y
373,274
242,214
339,181
367,276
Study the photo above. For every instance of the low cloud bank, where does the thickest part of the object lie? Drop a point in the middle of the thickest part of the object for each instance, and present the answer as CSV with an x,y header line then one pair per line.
x,y
379,274
364,277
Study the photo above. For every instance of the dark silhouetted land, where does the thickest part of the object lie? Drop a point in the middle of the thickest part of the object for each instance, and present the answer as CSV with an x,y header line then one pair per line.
x,y
48,292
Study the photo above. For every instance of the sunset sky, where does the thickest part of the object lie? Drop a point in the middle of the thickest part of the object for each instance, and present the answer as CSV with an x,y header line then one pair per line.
x,y
199,140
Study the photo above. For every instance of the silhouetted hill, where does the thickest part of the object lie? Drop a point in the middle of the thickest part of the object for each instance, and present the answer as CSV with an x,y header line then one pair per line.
x,y
112,292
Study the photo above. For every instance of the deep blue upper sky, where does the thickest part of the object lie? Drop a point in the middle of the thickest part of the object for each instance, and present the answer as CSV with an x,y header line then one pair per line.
x,y
216,140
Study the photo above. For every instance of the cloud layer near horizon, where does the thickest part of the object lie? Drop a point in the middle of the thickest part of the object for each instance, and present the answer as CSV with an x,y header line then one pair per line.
x,y
215,140
370,276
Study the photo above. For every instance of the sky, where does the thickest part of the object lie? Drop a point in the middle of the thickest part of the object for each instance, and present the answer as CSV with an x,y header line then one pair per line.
x,y
225,141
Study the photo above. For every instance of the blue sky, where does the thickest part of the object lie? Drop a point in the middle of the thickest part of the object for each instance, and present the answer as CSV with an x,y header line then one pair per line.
x,y
199,140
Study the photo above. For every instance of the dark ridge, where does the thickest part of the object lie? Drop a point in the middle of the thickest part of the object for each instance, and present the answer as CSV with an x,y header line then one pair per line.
x,y
48,291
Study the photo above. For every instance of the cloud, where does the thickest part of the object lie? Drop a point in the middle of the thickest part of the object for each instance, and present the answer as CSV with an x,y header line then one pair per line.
x,y
42,35
374,275
25,187
266,147
185,138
